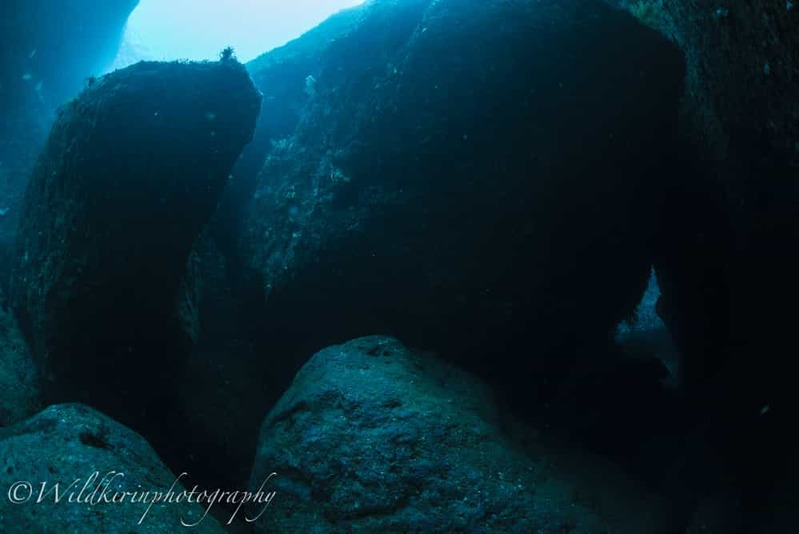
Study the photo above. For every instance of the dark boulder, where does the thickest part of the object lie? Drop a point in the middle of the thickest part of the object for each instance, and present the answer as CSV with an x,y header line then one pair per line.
x,y
20,394
132,171
729,240
465,175
727,251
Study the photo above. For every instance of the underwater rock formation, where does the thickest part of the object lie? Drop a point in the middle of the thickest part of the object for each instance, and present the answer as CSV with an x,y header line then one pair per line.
x,y
463,175
131,173
375,437
20,396
731,237
62,467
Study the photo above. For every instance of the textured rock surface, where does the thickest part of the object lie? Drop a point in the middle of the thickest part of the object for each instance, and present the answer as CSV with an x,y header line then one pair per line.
x,y
132,171
374,437
645,335
742,60
456,185
221,398
727,258
65,445
20,396
731,243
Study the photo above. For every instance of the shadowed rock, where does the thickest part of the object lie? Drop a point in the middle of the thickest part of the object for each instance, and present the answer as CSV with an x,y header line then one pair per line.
x,y
374,437
20,395
131,172
467,175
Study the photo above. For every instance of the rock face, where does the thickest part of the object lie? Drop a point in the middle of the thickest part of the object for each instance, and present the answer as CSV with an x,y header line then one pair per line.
x,y
732,240
727,259
374,437
20,395
741,79
131,173
462,174
92,459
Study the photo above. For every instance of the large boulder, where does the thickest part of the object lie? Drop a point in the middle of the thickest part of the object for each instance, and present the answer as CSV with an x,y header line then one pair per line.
x,y
20,394
464,175
374,437
131,173
71,468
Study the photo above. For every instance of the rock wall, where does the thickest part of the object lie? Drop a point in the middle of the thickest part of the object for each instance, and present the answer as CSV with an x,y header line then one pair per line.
x,y
131,173
20,394
461,175
728,250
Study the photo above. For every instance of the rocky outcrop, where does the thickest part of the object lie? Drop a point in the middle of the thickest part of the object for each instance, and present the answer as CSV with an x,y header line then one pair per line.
x,y
71,466
727,252
728,256
131,173
741,78
460,186
221,399
375,437
20,396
